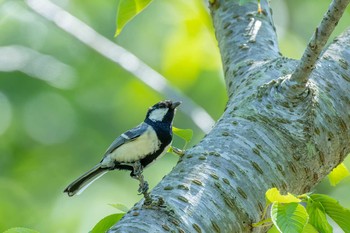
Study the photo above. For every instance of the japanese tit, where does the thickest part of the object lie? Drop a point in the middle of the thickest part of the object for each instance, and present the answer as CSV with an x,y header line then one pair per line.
x,y
135,149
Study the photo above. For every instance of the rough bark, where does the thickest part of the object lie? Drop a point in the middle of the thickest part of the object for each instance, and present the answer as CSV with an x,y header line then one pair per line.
x,y
265,138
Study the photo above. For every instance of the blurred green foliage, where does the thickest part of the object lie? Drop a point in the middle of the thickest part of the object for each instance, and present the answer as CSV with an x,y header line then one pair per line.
x,y
62,104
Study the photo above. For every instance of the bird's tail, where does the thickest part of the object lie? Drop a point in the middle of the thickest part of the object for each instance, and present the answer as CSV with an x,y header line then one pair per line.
x,y
80,184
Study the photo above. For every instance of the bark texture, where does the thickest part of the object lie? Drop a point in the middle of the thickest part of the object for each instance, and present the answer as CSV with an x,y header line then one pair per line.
x,y
265,138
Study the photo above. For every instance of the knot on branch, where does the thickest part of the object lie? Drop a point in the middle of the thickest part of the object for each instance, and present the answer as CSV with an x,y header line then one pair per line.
x,y
293,90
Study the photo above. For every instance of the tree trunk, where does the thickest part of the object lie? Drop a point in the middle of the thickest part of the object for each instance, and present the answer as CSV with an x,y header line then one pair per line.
x,y
276,131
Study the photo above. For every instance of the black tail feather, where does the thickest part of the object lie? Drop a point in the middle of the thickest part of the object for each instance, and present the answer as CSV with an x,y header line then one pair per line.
x,y
85,180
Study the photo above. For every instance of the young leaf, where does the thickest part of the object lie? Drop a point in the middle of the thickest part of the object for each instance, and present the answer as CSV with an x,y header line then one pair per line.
x,y
20,230
274,195
289,217
317,216
107,222
333,209
309,229
273,229
337,174
128,9
185,134
120,207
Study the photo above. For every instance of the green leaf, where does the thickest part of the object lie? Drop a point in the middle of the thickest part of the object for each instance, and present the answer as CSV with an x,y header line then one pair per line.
x,y
307,229
338,174
185,134
107,222
274,195
273,229
126,10
317,216
333,209
289,217
310,229
120,207
20,230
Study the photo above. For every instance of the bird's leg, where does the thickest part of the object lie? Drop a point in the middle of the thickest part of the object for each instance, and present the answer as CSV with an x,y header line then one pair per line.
x,y
143,187
137,169
137,174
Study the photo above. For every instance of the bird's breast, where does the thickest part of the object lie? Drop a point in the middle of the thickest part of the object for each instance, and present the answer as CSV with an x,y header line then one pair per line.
x,y
137,149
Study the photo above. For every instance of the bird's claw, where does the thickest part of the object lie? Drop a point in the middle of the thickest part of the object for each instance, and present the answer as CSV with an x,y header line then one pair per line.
x,y
143,186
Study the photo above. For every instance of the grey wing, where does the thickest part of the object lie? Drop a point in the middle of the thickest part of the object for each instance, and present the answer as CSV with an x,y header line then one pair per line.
x,y
126,137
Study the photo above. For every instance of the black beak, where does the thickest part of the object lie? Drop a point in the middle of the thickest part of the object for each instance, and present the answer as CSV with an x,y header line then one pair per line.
x,y
175,104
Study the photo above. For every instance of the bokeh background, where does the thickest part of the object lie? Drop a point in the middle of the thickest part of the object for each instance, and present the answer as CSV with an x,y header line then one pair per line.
x,y
62,104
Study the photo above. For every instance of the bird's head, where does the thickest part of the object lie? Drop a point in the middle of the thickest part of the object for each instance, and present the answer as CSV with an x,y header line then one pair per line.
x,y
162,111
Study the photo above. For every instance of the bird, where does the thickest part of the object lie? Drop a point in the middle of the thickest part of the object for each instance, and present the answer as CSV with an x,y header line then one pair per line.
x,y
134,149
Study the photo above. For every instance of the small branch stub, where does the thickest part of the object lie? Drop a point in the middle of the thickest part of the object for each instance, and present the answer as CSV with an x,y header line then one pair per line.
x,y
296,84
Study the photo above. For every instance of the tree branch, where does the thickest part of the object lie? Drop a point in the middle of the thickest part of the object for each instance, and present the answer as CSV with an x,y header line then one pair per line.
x,y
245,37
263,140
122,57
339,49
296,84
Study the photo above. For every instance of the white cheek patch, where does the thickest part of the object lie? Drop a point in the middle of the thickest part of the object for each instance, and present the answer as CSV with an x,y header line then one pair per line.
x,y
158,114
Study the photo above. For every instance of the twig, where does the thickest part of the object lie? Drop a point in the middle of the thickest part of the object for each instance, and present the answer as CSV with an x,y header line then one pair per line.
x,y
120,56
299,78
